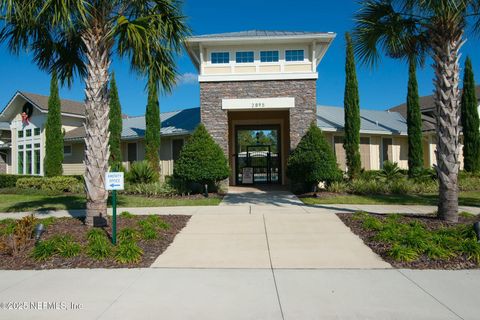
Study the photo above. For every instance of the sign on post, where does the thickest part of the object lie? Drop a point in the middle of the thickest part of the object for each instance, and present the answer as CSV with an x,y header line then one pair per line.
x,y
114,182
247,175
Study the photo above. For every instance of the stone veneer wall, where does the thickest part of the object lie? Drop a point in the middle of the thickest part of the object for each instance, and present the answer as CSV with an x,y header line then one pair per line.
x,y
216,120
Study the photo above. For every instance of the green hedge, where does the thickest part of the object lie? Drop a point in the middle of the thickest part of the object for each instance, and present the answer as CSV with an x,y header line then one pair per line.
x,y
10,180
56,184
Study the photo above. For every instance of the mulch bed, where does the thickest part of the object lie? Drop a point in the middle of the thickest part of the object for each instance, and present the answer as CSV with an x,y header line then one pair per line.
x,y
321,194
423,262
76,228
194,196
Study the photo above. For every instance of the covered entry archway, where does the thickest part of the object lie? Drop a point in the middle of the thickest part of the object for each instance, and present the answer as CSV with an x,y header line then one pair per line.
x,y
258,154
258,140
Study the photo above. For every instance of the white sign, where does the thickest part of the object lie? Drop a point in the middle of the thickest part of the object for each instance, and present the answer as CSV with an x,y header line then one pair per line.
x,y
247,175
258,103
114,181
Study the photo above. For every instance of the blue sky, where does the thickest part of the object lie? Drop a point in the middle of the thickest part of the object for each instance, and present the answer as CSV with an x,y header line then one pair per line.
x,y
379,89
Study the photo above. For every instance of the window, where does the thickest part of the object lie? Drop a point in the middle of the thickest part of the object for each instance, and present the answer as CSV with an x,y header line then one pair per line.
x,y
36,157
67,150
20,133
177,145
28,133
269,56
20,147
132,152
28,164
36,131
28,146
244,57
294,55
220,57
20,162
387,150
364,140
36,145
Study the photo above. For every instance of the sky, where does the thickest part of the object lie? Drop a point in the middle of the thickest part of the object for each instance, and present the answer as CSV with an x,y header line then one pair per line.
x,y
380,88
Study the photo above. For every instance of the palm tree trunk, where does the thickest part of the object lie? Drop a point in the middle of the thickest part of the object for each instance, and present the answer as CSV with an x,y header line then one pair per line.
x,y
97,150
447,102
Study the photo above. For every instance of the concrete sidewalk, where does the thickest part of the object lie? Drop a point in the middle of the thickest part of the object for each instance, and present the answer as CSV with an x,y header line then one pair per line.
x,y
249,209
268,240
243,294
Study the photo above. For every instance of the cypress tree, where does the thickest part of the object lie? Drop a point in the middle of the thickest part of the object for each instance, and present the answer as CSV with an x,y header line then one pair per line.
x,y
351,143
115,127
414,123
152,132
470,121
53,132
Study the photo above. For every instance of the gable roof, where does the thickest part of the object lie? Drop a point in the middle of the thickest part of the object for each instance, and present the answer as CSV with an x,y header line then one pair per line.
x,y
174,123
427,107
67,106
371,121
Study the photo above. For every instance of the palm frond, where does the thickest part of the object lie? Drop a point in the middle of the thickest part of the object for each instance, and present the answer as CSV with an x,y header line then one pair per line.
x,y
381,27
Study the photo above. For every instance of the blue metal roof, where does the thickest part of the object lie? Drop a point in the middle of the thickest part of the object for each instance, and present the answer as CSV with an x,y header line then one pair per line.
x,y
371,121
259,33
173,123
183,122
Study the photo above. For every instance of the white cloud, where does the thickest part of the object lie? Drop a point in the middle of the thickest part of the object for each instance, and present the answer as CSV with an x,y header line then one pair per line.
x,y
187,78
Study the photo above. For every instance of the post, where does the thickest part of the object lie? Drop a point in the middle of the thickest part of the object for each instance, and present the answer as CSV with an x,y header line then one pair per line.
x,y
114,217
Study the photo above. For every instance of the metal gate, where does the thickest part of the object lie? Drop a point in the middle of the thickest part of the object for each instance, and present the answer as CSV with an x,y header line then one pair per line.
x,y
261,163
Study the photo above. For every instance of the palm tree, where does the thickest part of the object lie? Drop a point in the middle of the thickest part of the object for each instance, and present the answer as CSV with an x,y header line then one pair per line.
x,y
79,38
433,27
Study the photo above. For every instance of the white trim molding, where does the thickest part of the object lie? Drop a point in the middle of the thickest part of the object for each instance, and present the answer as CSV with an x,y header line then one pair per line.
x,y
255,77
258,103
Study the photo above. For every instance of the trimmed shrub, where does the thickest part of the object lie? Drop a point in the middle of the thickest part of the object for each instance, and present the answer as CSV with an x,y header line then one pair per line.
x,y
53,184
313,160
468,181
151,189
361,186
10,180
141,172
201,160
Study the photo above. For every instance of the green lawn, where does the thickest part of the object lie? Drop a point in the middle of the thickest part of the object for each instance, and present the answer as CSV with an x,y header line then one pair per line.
x,y
470,198
31,202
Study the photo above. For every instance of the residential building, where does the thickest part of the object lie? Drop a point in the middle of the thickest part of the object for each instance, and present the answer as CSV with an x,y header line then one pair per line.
x,y
257,99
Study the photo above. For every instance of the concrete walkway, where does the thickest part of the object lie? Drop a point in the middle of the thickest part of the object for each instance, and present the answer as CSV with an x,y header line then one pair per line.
x,y
268,241
248,209
210,294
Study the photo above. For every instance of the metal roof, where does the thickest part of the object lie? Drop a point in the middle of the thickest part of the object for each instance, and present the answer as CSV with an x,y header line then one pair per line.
x,y
371,121
4,125
260,33
181,122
